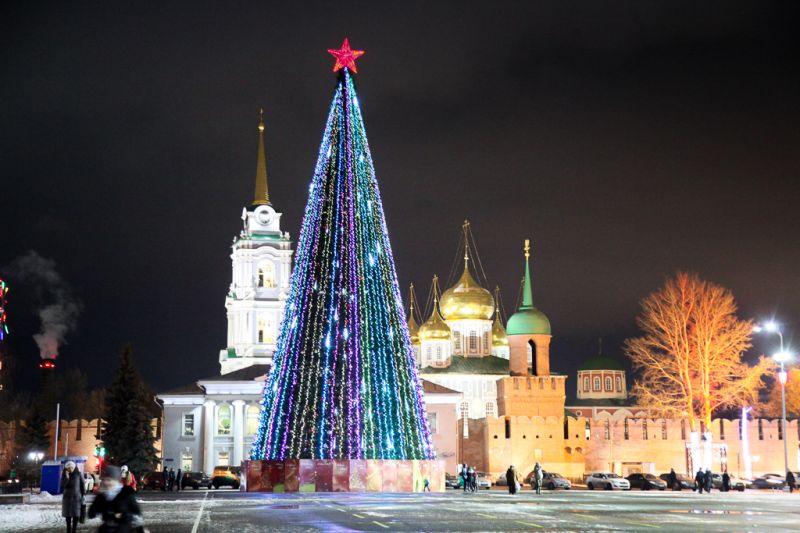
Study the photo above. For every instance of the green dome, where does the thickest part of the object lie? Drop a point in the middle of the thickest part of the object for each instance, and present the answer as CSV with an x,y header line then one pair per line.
x,y
529,321
601,362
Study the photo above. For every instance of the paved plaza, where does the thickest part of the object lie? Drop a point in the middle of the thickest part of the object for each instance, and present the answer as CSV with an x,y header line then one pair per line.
x,y
223,511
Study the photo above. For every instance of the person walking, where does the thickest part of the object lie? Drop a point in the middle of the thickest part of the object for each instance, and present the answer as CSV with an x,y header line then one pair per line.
x,y
165,476
672,479
473,480
171,479
726,482
707,480
115,503
465,477
699,481
73,492
178,481
128,479
538,477
511,480
790,481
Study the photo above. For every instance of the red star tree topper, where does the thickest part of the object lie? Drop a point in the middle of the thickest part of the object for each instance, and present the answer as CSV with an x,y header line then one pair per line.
x,y
345,57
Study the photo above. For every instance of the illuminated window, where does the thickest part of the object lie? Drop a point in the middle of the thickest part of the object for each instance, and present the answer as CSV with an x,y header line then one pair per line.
x,y
485,340
186,460
457,340
489,408
473,341
596,383
223,458
252,419
464,410
619,384
439,353
586,384
224,419
266,274
188,425
608,385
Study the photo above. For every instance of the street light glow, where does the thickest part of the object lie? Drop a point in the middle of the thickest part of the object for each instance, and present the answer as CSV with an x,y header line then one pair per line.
x,y
757,329
782,356
771,326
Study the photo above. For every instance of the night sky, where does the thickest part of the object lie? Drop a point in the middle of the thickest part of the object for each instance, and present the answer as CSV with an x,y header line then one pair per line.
x,y
626,139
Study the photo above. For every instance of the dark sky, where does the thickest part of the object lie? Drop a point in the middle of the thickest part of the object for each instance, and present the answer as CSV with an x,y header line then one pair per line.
x,y
626,139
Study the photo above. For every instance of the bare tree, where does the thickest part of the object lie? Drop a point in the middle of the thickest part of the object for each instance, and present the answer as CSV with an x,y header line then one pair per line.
x,y
689,360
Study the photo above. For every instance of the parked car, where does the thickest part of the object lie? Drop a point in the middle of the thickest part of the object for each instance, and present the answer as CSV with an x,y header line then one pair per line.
x,y
735,482
152,481
225,476
482,480
10,485
683,480
195,480
646,482
550,481
607,481
769,481
452,482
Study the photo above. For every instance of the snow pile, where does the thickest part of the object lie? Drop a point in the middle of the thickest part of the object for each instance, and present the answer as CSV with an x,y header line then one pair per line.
x,y
44,497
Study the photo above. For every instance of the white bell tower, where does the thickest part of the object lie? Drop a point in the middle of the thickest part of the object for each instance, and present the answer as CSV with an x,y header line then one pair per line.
x,y
262,260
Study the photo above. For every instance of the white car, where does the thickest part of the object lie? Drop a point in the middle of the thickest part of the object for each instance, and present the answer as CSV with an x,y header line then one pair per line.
x,y
607,481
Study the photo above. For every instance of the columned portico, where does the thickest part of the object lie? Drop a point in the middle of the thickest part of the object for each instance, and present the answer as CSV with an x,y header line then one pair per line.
x,y
208,432
238,431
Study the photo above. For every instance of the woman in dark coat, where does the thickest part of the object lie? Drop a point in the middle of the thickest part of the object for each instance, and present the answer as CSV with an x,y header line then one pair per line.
x,y
115,503
72,495
511,480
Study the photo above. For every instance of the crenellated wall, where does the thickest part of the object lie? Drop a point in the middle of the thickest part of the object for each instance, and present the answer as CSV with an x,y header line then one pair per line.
x,y
76,437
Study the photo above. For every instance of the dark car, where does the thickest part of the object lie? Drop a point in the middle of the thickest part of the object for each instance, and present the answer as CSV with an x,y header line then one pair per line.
x,y
195,480
152,481
10,485
684,481
642,481
769,481
452,482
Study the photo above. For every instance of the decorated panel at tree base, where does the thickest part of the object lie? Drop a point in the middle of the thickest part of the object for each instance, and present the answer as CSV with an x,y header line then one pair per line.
x,y
344,475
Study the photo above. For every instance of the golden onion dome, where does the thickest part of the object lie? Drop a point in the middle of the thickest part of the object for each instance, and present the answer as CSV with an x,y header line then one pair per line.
x,y
435,328
499,337
413,329
466,299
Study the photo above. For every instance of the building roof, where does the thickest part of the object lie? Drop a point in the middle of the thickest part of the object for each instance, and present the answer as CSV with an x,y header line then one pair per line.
x,y
601,362
430,387
188,389
249,373
471,365
600,402
528,320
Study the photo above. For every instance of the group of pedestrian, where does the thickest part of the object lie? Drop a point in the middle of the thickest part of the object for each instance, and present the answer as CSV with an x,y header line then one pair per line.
x,y
703,481
171,481
115,502
469,478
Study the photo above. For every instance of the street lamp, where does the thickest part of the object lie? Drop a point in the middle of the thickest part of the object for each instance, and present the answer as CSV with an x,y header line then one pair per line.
x,y
782,357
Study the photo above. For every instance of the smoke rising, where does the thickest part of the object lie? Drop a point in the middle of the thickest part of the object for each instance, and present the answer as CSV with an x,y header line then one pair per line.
x,y
59,309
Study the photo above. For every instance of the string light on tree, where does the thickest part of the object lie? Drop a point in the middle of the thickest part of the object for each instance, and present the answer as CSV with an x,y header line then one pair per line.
x,y
344,383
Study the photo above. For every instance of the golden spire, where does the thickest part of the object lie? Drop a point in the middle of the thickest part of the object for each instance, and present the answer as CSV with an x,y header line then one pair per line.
x,y
499,336
262,193
435,327
527,249
466,243
413,327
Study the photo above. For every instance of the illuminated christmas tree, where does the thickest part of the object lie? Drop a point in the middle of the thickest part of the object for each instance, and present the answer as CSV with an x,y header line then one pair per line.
x,y
344,383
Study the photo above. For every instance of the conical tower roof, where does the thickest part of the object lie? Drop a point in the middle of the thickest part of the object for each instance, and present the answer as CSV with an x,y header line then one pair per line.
x,y
435,328
499,336
528,320
261,196
413,327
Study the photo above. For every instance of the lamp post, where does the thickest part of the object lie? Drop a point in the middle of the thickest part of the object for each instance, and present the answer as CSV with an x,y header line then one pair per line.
x,y
781,357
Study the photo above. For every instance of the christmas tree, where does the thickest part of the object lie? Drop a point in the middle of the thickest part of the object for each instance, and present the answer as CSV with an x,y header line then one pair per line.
x,y
127,431
344,383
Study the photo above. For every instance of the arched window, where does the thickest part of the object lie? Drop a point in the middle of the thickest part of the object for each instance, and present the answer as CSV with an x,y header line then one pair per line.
x,y
586,384
596,383
266,328
224,419
266,274
619,384
489,408
457,340
252,419
473,341
608,385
